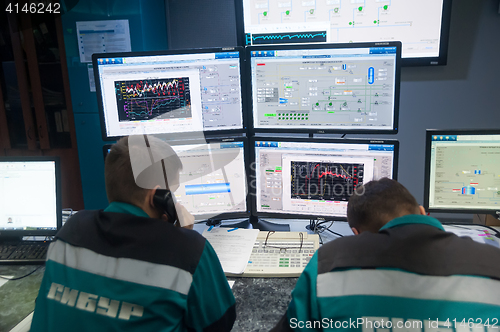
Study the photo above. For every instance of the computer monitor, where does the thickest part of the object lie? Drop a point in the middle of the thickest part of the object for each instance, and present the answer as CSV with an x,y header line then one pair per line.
x,y
30,196
462,171
323,88
314,178
170,92
213,181
422,26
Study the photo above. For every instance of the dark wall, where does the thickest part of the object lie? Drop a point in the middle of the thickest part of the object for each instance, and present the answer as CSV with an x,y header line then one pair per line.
x,y
200,23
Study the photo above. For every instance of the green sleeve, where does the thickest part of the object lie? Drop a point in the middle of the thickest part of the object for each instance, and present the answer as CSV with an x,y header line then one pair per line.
x,y
211,304
304,306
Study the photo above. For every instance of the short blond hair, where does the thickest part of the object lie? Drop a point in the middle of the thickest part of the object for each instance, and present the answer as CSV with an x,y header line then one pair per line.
x,y
121,185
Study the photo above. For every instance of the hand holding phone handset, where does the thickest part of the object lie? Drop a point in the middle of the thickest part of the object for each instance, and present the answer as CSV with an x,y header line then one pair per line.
x,y
155,176
165,200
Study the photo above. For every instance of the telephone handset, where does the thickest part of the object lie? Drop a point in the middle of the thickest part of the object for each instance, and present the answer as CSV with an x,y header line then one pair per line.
x,y
165,200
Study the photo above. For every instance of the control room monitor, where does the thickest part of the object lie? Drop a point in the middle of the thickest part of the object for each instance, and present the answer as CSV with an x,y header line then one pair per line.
x,y
346,88
311,178
422,26
175,92
462,171
213,181
30,202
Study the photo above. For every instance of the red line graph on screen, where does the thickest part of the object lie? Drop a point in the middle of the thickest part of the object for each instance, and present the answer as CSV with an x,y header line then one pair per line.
x,y
325,180
153,99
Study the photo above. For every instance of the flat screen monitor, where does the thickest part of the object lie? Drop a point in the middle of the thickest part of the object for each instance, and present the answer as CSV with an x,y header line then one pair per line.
x,y
422,26
30,199
462,171
213,181
170,92
312,178
346,88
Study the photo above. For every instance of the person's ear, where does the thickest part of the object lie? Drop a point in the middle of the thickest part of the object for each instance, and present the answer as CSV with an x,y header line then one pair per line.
x,y
422,210
355,231
150,195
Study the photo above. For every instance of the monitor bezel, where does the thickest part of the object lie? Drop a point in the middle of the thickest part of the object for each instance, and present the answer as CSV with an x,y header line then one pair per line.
x,y
176,135
8,234
253,179
246,156
440,60
428,143
391,131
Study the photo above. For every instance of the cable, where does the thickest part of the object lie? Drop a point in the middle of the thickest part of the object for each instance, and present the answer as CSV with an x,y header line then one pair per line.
x,y
338,234
24,276
323,228
317,228
320,239
319,223
70,211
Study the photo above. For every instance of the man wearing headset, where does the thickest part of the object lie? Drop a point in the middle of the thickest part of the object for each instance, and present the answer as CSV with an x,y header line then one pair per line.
x,y
129,267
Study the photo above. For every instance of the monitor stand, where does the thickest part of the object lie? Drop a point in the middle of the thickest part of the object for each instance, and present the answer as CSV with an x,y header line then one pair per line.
x,y
495,221
492,219
245,223
238,223
213,222
265,225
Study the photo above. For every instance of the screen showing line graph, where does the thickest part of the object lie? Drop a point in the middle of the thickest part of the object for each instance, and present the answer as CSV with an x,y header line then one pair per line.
x,y
169,92
153,99
284,38
324,181
463,172
304,177
420,25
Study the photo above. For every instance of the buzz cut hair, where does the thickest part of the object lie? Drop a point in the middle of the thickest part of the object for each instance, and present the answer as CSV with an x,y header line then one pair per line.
x,y
121,185
375,203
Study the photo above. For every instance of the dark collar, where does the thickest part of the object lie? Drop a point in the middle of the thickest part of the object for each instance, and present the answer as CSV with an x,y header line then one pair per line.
x,y
413,219
121,207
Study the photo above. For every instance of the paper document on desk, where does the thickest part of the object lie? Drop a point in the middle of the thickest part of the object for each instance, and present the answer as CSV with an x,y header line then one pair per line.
x,y
479,235
3,281
233,247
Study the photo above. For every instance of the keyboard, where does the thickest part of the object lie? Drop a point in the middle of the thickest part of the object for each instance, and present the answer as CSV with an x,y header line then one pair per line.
x,y
285,254
24,252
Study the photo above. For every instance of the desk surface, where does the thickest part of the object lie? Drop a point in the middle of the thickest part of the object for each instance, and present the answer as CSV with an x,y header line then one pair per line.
x,y
260,302
17,297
